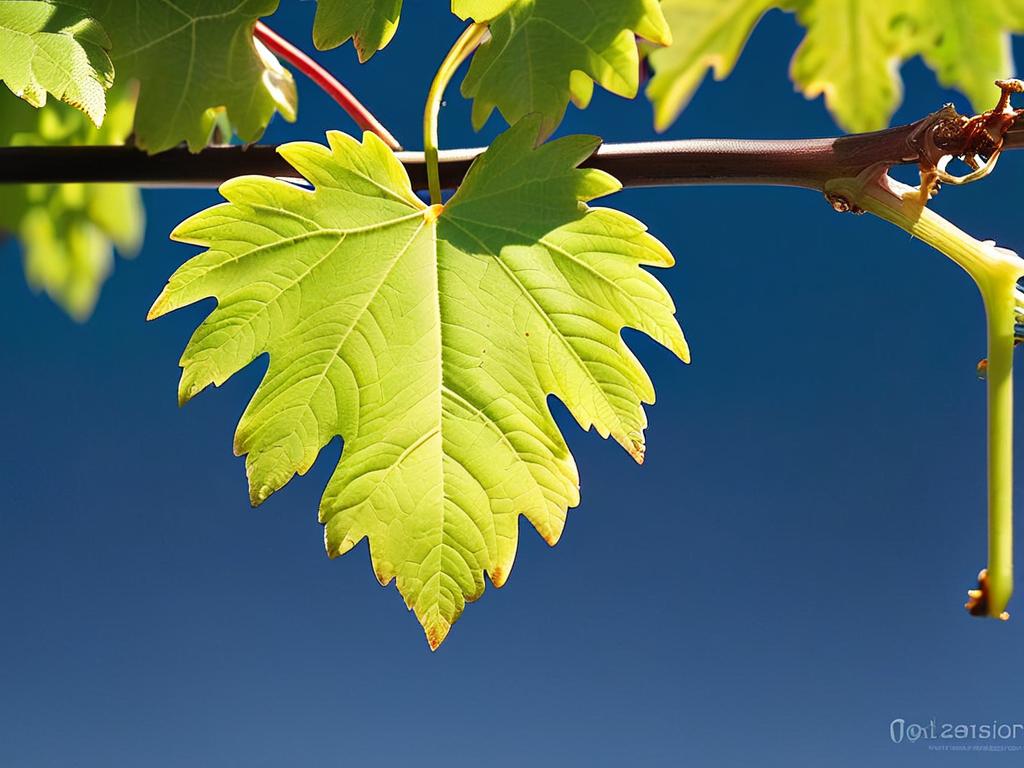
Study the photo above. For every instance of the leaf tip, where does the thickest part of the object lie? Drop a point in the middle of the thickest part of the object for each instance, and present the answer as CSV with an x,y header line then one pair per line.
x,y
186,392
682,350
159,308
499,576
436,630
257,495
637,450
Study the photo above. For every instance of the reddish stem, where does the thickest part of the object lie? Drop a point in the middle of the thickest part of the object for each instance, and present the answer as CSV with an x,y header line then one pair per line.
x,y
326,81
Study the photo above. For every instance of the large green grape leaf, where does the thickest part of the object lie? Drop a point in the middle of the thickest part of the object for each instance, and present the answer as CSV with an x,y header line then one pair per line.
x,y
544,53
193,58
54,47
68,232
428,338
851,53
370,24
707,34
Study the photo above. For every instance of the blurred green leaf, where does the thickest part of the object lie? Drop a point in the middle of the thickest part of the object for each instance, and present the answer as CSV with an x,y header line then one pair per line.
x,y
706,34
968,43
851,53
69,231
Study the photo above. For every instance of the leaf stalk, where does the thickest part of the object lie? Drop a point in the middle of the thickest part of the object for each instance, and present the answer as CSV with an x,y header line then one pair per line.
x,y
468,41
996,272
327,82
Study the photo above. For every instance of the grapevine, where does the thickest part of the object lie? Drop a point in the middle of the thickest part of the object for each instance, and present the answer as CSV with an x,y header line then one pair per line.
x,y
428,333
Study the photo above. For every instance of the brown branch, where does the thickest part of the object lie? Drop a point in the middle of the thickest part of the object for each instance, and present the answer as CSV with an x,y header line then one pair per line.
x,y
801,162
807,163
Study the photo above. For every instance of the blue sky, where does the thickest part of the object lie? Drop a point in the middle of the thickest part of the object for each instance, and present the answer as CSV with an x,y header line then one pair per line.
x,y
780,580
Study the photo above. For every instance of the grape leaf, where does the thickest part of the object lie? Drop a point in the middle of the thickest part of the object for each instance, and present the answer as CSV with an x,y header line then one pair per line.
x,y
536,46
428,338
968,44
707,34
480,10
69,231
370,24
54,47
193,58
851,53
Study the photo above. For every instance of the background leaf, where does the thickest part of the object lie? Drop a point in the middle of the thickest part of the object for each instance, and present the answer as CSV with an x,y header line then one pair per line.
x,y
536,47
851,53
968,44
429,341
193,58
69,231
370,24
55,47
707,34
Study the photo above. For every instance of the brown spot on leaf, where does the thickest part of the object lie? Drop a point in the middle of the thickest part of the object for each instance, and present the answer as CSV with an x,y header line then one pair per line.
x,y
637,450
498,576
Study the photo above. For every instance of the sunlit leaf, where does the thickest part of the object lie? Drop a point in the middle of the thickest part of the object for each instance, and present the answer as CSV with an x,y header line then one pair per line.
x,y
429,339
968,43
51,47
707,34
851,53
480,10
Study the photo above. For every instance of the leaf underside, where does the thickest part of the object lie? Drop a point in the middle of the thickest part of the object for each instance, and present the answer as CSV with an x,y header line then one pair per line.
x,y
429,339
851,53
50,47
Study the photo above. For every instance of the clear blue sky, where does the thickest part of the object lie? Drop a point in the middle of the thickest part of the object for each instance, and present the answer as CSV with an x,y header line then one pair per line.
x,y
782,579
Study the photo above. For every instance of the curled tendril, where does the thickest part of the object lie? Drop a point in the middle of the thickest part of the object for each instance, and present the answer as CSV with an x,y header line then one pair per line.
x,y
999,275
977,141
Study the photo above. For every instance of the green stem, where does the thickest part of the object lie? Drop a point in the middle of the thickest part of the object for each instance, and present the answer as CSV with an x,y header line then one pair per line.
x,y
1000,307
464,46
996,272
